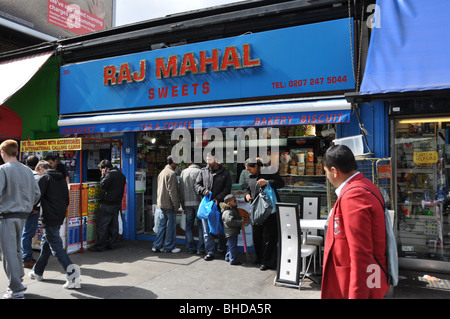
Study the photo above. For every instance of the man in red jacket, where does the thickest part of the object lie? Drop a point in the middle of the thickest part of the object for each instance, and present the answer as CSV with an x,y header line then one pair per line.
x,y
356,234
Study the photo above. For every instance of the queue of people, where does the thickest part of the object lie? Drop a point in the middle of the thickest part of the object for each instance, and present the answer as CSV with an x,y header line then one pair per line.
x,y
214,180
355,238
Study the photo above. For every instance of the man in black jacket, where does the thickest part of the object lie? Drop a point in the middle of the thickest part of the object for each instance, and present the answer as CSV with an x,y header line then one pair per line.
x,y
54,202
215,179
112,183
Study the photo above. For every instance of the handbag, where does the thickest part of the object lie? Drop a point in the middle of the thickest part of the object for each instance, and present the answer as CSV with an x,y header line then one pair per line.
x,y
260,208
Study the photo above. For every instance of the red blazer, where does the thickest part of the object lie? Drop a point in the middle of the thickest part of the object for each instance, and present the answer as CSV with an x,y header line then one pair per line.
x,y
356,232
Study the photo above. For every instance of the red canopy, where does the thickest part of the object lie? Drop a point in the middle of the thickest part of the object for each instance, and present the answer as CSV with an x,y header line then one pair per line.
x,y
10,124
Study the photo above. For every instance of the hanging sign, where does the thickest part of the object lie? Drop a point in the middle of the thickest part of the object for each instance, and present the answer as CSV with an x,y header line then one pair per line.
x,y
61,144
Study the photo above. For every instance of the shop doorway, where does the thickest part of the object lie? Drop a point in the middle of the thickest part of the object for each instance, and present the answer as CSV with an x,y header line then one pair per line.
x,y
299,152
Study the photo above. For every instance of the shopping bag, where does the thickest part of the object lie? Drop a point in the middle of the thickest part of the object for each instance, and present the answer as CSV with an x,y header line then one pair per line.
x,y
204,207
119,219
272,197
215,220
183,220
157,218
260,208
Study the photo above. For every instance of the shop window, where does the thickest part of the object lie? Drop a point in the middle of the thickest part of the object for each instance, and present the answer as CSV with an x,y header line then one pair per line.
x,y
421,154
299,155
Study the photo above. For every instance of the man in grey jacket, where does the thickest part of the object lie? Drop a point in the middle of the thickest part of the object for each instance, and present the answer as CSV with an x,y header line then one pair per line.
x,y
168,200
190,201
19,192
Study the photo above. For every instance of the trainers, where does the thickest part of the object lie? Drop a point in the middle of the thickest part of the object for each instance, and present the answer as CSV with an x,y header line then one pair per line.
x,y
156,250
74,284
34,276
14,295
175,250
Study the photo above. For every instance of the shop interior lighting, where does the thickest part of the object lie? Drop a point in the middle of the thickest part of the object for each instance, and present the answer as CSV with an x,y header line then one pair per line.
x,y
425,120
149,139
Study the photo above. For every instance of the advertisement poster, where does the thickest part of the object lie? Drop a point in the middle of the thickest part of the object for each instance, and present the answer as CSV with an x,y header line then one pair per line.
x,y
59,18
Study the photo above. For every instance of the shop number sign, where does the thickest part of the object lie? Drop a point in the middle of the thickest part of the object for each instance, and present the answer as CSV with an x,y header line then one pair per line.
x,y
425,157
62,144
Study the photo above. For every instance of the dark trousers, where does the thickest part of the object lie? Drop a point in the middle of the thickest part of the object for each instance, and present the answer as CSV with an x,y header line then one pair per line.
x,y
265,241
107,227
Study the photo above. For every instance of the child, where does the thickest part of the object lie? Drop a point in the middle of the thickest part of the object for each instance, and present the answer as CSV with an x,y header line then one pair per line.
x,y
232,223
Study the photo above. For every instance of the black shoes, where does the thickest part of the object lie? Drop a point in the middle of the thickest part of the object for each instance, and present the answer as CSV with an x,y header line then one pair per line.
x,y
264,267
208,257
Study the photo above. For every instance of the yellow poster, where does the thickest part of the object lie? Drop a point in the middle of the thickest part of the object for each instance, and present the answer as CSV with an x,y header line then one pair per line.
x,y
61,144
425,157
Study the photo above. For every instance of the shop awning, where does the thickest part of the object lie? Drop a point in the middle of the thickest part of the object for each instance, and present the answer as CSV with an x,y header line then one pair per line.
x,y
10,124
275,114
409,47
14,74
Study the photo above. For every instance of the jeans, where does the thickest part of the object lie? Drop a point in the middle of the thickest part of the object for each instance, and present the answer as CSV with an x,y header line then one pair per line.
x,y
208,238
167,230
52,244
29,230
191,215
107,227
10,233
231,254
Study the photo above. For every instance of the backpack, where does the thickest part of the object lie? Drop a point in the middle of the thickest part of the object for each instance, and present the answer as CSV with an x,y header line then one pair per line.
x,y
391,244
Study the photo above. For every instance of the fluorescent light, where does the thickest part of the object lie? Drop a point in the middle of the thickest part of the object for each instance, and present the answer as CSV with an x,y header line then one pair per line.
x,y
425,120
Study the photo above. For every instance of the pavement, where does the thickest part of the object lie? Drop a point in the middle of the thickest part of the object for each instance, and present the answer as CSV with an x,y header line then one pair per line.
x,y
133,271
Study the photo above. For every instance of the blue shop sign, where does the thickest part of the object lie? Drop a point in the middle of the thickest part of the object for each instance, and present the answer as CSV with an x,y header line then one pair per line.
x,y
304,59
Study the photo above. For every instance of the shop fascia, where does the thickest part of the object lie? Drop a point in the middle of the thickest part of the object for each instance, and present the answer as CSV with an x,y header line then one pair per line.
x,y
190,64
233,141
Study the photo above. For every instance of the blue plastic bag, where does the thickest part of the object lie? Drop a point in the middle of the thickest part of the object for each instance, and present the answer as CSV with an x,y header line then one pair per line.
x,y
215,220
205,207
272,197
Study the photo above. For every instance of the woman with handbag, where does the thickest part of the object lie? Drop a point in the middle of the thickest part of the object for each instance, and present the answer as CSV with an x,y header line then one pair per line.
x,y
265,236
